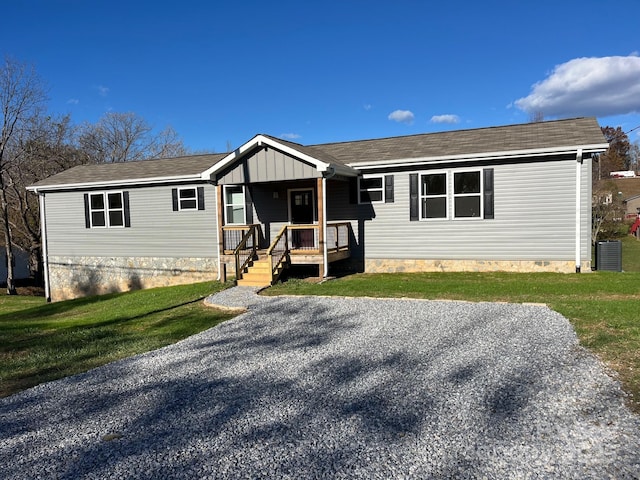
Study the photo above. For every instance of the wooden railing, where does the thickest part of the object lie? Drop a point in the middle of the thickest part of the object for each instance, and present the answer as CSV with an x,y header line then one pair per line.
x,y
232,235
303,237
245,251
337,236
278,251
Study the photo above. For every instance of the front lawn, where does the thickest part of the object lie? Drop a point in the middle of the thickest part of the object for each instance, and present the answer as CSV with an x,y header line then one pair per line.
x,y
604,307
40,342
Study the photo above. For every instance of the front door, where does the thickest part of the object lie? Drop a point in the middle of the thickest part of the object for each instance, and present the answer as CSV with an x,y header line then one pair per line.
x,y
302,212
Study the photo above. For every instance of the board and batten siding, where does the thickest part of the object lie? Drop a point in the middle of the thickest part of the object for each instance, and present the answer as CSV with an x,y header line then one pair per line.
x,y
156,230
267,165
535,219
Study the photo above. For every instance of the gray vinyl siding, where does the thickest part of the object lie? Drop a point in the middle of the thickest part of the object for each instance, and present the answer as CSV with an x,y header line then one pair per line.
x,y
156,230
534,220
267,166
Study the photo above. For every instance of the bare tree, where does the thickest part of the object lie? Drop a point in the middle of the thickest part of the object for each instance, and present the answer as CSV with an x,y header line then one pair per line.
x,y
45,149
22,97
124,137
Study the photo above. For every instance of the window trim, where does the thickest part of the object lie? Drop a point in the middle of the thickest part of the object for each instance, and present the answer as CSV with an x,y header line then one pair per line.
x,y
380,189
486,194
106,210
479,194
244,205
195,197
421,197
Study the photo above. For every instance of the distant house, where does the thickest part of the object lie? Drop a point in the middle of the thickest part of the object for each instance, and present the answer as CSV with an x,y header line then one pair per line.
x,y
627,189
511,198
632,206
21,269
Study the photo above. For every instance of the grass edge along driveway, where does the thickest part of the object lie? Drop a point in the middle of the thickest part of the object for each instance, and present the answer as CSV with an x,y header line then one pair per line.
x,y
40,342
603,307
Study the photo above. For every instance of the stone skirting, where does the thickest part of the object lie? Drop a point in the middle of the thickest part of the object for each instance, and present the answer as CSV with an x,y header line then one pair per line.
x,y
72,277
397,265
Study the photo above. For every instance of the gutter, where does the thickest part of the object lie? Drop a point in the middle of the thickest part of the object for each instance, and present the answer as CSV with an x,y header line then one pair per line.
x,y
116,183
499,155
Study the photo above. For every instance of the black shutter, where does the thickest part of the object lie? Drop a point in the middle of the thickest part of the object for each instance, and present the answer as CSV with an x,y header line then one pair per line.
x,y
488,193
87,215
248,205
414,200
388,189
174,197
125,203
353,190
200,198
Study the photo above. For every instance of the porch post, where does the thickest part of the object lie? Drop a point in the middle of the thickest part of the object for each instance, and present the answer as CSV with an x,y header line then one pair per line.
x,y
222,269
321,224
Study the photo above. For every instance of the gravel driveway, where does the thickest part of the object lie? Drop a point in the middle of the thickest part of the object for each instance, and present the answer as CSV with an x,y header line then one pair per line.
x,y
305,387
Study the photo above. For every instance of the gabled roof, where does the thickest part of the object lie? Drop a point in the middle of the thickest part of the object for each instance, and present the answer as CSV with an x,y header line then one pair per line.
x,y
320,159
346,158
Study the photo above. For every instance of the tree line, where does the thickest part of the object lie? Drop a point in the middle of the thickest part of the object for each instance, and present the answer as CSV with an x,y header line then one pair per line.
x,y
35,144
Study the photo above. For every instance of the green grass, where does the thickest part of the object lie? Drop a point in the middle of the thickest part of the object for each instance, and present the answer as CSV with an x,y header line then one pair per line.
x,y
40,342
630,254
604,307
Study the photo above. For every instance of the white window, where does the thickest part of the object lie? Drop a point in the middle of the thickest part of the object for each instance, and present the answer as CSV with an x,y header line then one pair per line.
x,y
187,199
467,194
370,190
433,195
234,204
106,209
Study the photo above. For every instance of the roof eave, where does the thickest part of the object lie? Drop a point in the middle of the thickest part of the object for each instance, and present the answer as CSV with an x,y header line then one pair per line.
x,y
591,148
117,183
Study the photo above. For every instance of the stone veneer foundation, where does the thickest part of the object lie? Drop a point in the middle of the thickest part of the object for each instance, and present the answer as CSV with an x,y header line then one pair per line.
x,y
73,277
396,265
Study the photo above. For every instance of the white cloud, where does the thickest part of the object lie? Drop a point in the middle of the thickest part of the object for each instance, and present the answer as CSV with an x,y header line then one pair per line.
x,y
448,118
402,116
102,90
601,86
73,101
290,136
367,106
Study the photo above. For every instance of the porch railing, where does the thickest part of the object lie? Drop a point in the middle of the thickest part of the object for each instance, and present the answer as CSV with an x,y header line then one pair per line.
x,y
232,235
303,237
245,251
337,235
277,251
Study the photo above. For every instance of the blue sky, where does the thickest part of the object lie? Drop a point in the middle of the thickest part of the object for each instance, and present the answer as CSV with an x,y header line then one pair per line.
x,y
310,71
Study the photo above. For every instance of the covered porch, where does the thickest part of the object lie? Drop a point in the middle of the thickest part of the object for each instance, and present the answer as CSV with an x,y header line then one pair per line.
x,y
272,212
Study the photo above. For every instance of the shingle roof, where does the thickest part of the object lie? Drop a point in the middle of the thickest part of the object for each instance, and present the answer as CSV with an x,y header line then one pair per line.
x,y
142,170
577,132
528,136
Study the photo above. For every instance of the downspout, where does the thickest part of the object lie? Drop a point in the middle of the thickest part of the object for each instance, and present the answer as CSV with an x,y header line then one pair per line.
x,y
45,247
578,208
325,256
218,236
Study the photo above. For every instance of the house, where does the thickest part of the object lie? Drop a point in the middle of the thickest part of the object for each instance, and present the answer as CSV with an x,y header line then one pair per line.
x,y
632,207
509,198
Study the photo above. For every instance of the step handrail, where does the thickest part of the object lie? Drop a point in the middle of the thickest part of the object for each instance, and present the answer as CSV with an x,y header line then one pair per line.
x,y
278,251
248,253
